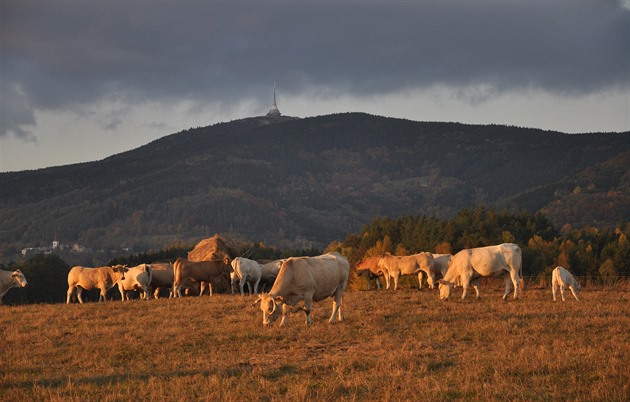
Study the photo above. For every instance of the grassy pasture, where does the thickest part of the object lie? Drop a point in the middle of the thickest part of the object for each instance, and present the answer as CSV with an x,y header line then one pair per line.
x,y
403,345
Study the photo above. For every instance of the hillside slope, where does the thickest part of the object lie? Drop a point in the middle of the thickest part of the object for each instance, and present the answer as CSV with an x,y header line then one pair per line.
x,y
307,181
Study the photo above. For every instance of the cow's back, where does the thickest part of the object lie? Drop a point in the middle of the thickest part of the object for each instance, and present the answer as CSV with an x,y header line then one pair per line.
x,y
321,275
87,278
491,260
162,274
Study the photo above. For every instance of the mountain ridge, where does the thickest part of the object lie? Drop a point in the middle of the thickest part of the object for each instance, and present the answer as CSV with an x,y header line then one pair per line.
x,y
308,180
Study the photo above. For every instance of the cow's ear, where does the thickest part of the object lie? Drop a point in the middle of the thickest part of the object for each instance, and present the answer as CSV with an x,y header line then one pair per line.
x,y
279,299
443,282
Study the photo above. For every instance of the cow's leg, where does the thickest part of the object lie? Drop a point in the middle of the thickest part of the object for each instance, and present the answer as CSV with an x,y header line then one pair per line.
x,y
250,288
508,287
516,281
70,294
420,277
285,315
210,289
79,293
241,284
475,285
562,291
256,286
553,291
337,308
396,275
103,295
378,284
574,294
387,279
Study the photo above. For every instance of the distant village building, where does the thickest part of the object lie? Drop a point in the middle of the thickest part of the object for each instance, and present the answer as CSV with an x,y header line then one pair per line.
x,y
274,111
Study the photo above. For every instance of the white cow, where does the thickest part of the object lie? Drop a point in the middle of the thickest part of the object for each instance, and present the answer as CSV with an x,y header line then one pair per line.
x,y
471,264
268,274
442,261
246,271
309,279
9,280
137,278
561,278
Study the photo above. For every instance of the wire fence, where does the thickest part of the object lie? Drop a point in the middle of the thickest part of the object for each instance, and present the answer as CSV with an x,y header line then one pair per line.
x,y
618,282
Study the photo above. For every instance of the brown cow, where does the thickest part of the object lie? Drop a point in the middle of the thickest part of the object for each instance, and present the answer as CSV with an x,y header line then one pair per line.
x,y
103,278
369,268
201,271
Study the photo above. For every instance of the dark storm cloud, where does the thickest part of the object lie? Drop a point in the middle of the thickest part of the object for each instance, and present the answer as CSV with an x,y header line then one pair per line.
x,y
63,54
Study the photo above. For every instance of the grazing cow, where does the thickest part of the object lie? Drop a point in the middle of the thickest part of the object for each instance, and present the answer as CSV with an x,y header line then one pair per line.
x,y
309,279
137,278
201,271
419,264
561,278
103,278
471,264
10,280
370,269
247,272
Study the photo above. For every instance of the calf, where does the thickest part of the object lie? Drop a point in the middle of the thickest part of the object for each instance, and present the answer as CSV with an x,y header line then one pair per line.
x,y
561,278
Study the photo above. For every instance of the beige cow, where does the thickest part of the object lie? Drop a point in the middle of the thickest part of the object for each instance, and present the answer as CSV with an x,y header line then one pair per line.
x,y
309,279
9,280
103,278
469,265
418,264
201,271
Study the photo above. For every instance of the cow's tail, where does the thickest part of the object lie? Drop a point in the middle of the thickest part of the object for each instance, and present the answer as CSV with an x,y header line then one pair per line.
x,y
521,280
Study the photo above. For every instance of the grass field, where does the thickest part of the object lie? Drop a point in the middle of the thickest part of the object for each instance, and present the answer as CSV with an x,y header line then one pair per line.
x,y
403,345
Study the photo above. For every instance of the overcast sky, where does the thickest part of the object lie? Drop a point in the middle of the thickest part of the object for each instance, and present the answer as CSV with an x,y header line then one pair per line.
x,y
82,80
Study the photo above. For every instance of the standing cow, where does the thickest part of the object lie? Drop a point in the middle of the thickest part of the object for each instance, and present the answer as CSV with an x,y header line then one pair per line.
x,y
10,280
247,272
103,278
309,279
137,278
370,269
469,265
561,278
199,271
417,264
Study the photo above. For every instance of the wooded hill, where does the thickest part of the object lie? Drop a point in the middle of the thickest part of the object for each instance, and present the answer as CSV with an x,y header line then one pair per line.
x,y
306,182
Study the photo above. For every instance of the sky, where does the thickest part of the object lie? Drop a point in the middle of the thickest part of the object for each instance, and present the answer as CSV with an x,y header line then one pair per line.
x,y
81,80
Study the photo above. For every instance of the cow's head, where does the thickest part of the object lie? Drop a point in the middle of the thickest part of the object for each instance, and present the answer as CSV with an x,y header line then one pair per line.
x,y
120,270
19,277
271,307
446,288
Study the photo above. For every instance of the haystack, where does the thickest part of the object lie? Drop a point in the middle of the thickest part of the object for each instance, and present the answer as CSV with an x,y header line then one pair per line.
x,y
214,248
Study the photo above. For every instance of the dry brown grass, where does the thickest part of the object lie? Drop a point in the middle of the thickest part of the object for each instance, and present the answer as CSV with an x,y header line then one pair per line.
x,y
403,345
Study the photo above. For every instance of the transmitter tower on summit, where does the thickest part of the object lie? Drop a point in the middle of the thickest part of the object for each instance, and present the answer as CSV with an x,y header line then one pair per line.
x,y
274,111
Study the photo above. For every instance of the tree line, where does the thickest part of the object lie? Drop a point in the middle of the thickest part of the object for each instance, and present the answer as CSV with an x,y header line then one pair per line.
x,y
588,251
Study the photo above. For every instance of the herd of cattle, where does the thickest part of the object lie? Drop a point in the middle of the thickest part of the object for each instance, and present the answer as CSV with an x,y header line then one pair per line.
x,y
306,279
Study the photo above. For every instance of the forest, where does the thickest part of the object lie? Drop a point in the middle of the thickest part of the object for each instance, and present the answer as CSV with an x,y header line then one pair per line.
x,y
296,182
603,254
